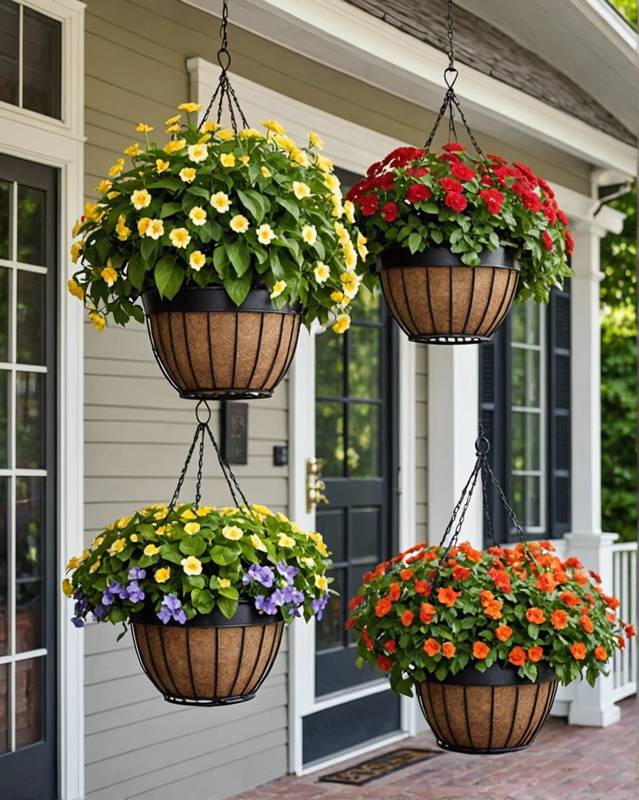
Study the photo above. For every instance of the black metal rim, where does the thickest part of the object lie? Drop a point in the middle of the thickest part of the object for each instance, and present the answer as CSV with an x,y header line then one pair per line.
x,y
213,298
222,701
482,751
449,338
495,675
246,614
226,394
399,257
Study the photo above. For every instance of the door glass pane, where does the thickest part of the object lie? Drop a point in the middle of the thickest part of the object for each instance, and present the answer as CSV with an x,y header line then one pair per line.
x,y
5,388
30,531
31,225
525,440
525,321
363,440
30,418
331,524
4,573
329,437
527,499
29,701
329,368
9,51
4,314
4,708
31,318
363,362
367,306
41,63
329,632
364,534
525,377
5,203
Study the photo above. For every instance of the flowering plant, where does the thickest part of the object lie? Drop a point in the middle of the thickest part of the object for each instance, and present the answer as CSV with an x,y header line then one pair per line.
x,y
418,199
417,614
211,207
192,559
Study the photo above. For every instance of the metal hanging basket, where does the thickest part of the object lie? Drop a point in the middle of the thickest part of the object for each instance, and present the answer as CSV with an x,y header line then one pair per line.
x,y
495,711
209,660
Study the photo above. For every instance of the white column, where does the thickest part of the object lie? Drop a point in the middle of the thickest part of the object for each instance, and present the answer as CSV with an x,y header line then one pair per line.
x,y
590,706
453,402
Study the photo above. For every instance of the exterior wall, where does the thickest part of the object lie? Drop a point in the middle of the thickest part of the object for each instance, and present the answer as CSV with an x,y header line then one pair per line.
x,y
421,444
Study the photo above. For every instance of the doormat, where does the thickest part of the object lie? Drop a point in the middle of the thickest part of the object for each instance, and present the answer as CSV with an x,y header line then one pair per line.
x,y
380,766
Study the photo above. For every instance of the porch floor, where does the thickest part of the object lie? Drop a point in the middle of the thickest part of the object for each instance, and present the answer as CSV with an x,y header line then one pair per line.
x,y
566,763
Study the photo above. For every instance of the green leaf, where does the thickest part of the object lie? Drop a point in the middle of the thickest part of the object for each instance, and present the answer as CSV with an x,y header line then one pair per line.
x,y
533,630
230,592
168,209
168,277
103,245
225,554
238,288
441,671
202,600
415,241
192,545
147,247
174,184
170,552
199,191
136,271
239,257
290,205
227,606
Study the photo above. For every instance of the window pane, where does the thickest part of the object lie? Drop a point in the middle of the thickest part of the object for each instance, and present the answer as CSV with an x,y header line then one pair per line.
x,y
9,50
4,313
329,437
364,362
30,531
30,416
5,206
367,305
527,500
29,701
330,523
329,368
41,63
4,579
525,440
31,225
525,323
525,377
363,440
4,708
330,630
5,388
364,535
31,317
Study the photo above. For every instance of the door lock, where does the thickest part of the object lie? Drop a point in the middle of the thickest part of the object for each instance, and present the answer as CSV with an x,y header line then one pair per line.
x,y
314,484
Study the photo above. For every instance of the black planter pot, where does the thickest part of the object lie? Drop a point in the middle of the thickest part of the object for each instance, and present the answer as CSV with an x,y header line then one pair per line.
x,y
436,299
210,349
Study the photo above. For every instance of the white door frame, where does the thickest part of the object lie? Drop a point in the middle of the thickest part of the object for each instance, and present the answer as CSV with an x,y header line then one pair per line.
x,y
60,144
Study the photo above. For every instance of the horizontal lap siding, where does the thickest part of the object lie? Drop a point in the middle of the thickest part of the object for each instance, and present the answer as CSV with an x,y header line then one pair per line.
x,y
421,417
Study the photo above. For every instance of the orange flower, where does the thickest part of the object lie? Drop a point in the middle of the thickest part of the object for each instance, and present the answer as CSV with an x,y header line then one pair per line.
x,y
569,599
573,563
493,609
447,596
485,597
461,573
580,577
356,602
470,552
595,575
395,591
390,646
561,576
501,578
406,574
448,649
546,582
600,653
535,615
426,613
517,656
535,653
431,647
349,623
578,651
611,602
586,624
407,618
383,606
630,631
611,616
366,639
503,632
559,619
422,587
480,650
384,663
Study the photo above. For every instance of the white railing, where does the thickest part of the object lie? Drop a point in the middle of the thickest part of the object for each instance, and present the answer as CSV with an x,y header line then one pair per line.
x,y
624,586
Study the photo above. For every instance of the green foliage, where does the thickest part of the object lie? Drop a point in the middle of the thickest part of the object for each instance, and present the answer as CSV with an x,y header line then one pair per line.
x,y
628,9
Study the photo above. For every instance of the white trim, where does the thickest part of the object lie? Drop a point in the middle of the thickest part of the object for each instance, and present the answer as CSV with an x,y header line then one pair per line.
x,y
60,144
347,755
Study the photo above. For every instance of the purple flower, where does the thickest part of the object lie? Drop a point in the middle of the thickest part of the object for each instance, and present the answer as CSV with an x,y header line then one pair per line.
x,y
78,622
100,611
171,608
107,598
263,575
292,595
288,573
319,605
136,594
265,604
137,574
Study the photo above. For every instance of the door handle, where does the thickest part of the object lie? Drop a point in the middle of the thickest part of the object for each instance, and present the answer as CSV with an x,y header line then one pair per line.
x,y
314,484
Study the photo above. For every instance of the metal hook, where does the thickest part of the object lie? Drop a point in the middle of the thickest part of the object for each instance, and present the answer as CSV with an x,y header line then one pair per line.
x,y
208,412
482,445
450,82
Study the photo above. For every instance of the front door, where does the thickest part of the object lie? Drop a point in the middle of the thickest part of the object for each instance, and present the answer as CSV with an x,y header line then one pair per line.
x,y
28,591
356,382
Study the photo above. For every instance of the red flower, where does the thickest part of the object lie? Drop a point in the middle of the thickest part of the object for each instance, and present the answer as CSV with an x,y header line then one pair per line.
x,y
431,647
517,656
394,591
383,607
426,613
570,243
384,663
417,172
389,211
562,217
462,172
526,171
630,631
611,602
386,181
366,639
349,623
496,159
455,201
493,199
417,192
501,578
546,582
586,624
450,185
390,646
486,180
356,602
407,618
422,587
595,575
454,147
549,213
531,200
573,563
447,596
546,238
547,190
374,169
368,204
406,574
461,573
569,598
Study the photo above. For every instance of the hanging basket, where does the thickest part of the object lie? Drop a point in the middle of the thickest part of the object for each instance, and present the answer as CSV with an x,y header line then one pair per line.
x,y
487,713
436,299
209,348
210,660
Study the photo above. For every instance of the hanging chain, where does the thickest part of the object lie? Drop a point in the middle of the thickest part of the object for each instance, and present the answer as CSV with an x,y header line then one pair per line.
x,y
224,93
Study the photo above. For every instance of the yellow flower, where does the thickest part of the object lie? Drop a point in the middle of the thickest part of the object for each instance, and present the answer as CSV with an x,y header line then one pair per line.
x,y
197,215
273,126
75,289
102,187
191,565
190,108
245,159
299,157
187,174
315,141
162,575
361,246
92,211
113,195
239,223
161,166
151,550
282,517
188,515
197,260
227,160
179,237
203,511
220,202
321,582
134,537
192,528
250,133
350,282
319,543
350,256
349,210
77,227
232,532
133,150
285,142
116,169
308,562
140,199
67,587
223,583
342,324
324,163
97,320
109,275
121,229
309,234
257,543
76,250
160,531
321,272
301,190
155,229
338,209
208,125
265,510
265,234
161,514
173,120
73,563
142,127
265,171
198,152
338,297
176,128
143,225
278,289
97,541
174,146
331,182
224,134
123,522
204,138
285,540
117,547
94,567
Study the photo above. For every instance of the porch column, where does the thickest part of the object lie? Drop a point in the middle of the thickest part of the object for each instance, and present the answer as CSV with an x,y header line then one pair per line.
x,y
453,402
590,706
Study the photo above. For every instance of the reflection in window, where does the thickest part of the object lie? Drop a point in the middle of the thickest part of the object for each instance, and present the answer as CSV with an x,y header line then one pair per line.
x,y
5,204
30,420
30,528
29,701
31,225
9,51
31,317
330,631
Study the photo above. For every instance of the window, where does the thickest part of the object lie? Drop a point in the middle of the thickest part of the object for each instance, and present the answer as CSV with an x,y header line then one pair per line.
x,y
525,410
30,59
